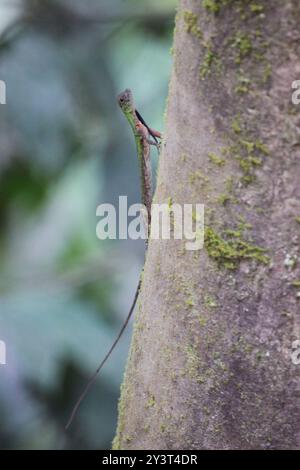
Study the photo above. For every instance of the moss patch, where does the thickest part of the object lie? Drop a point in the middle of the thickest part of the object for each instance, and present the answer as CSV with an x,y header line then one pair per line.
x,y
210,302
213,6
191,26
210,61
256,8
190,302
236,126
193,364
229,252
243,85
249,153
224,198
151,402
242,44
216,159
198,176
243,6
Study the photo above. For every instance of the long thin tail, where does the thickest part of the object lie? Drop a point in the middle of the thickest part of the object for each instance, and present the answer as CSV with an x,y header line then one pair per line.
x,y
94,376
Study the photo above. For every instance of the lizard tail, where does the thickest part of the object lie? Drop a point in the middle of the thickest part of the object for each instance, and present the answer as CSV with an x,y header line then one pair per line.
x,y
94,376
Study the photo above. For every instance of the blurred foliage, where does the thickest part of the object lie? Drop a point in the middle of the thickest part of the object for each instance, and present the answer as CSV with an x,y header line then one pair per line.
x,y
64,149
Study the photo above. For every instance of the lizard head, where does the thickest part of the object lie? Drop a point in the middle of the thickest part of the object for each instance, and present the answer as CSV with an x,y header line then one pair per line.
x,y
125,100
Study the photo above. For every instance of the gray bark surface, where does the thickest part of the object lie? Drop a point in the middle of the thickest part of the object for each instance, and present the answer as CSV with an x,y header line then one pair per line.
x,y
210,362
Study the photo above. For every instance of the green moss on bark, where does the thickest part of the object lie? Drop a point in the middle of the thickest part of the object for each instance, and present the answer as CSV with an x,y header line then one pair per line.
x,y
191,26
229,253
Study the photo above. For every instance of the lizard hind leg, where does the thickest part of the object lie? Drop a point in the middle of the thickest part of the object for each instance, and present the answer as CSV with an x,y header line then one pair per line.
x,y
156,144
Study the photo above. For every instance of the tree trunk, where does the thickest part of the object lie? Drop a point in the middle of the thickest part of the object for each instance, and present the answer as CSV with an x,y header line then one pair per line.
x,y
210,362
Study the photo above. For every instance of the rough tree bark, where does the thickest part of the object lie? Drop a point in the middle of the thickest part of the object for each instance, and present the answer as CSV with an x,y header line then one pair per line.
x,y
210,362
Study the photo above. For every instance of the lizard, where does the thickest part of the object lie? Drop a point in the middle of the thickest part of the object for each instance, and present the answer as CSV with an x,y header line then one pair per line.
x,y
142,135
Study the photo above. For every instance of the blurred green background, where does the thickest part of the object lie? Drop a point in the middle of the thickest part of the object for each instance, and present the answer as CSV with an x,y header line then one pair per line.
x,y
65,148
